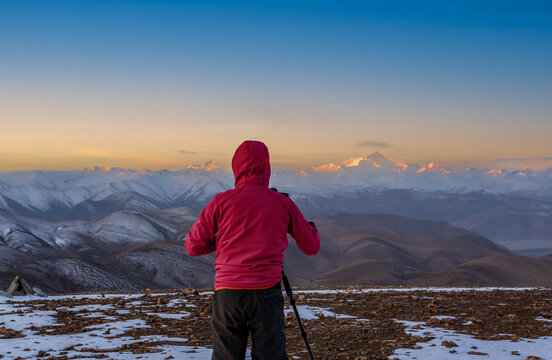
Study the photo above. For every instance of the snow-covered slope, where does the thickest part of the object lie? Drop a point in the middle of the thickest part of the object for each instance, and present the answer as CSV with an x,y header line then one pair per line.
x,y
124,250
89,193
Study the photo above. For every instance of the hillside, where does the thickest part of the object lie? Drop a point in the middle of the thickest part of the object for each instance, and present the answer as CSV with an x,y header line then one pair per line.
x,y
495,270
524,226
123,250
376,249
132,250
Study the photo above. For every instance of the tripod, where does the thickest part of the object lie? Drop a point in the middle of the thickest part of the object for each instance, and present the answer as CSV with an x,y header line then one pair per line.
x,y
292,302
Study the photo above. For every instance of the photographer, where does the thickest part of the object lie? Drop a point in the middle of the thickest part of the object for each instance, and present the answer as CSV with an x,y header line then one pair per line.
x,y
247,228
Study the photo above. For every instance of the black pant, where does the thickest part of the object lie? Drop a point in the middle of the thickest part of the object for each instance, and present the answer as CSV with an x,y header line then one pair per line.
x,y
237,312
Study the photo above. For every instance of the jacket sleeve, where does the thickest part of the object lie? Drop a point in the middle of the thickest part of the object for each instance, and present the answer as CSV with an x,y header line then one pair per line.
x,y
305,235
201,238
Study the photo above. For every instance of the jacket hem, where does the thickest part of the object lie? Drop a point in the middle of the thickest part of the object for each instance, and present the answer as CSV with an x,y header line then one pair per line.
x,y
247,288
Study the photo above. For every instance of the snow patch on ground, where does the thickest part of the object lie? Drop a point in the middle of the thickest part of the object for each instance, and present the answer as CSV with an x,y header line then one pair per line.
x,y
22,321
312,312
91,307
495,349
170,315
101,336
540,318
175,302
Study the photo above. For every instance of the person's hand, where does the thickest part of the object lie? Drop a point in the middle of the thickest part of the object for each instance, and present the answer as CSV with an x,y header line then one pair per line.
x,y
285,194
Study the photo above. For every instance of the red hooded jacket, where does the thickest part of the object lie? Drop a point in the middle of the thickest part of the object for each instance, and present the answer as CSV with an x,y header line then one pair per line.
x,y
247,226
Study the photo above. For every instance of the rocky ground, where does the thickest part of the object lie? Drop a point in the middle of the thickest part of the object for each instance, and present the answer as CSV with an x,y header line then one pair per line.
x,y
351,323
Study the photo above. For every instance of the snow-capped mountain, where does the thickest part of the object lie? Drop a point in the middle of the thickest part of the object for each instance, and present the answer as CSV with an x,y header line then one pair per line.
x,y
99,191
376,170
150,190
65,195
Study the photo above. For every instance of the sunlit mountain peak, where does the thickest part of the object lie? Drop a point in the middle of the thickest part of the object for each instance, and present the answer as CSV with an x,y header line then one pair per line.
x,y
98,168
380,159
400,166
209,166
497,172
374,160
433,167
145,171
353,161
331,167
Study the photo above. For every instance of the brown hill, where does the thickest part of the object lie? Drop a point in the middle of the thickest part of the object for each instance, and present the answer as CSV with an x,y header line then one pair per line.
x,y
495,270
368,249
514,220
363,272
400,224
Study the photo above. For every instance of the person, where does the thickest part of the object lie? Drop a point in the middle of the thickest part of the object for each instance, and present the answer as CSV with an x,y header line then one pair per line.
x,y
247,228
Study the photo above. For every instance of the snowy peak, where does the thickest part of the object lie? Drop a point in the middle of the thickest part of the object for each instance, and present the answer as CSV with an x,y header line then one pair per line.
x,y
374,160
209,166
327,168
97,168
435,167
497,172
524,172
379,160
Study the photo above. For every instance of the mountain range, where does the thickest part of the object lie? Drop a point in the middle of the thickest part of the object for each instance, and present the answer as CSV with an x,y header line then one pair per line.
x,y
131,250
513,208
81,194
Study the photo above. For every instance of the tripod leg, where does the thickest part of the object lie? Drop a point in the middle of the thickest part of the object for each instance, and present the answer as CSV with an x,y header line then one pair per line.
x,y
292,302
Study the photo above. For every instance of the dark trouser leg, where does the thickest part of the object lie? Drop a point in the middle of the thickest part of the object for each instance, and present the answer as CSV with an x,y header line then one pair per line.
x,y
229,325
267,325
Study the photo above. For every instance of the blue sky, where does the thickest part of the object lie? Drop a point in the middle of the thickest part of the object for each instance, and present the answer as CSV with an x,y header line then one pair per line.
x,y
455,81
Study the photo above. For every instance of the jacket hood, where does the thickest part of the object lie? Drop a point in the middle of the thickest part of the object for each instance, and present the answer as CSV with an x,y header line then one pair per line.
x,y
251,164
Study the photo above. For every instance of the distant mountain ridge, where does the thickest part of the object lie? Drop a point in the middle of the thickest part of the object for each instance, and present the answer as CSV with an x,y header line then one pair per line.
x,y
79,194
